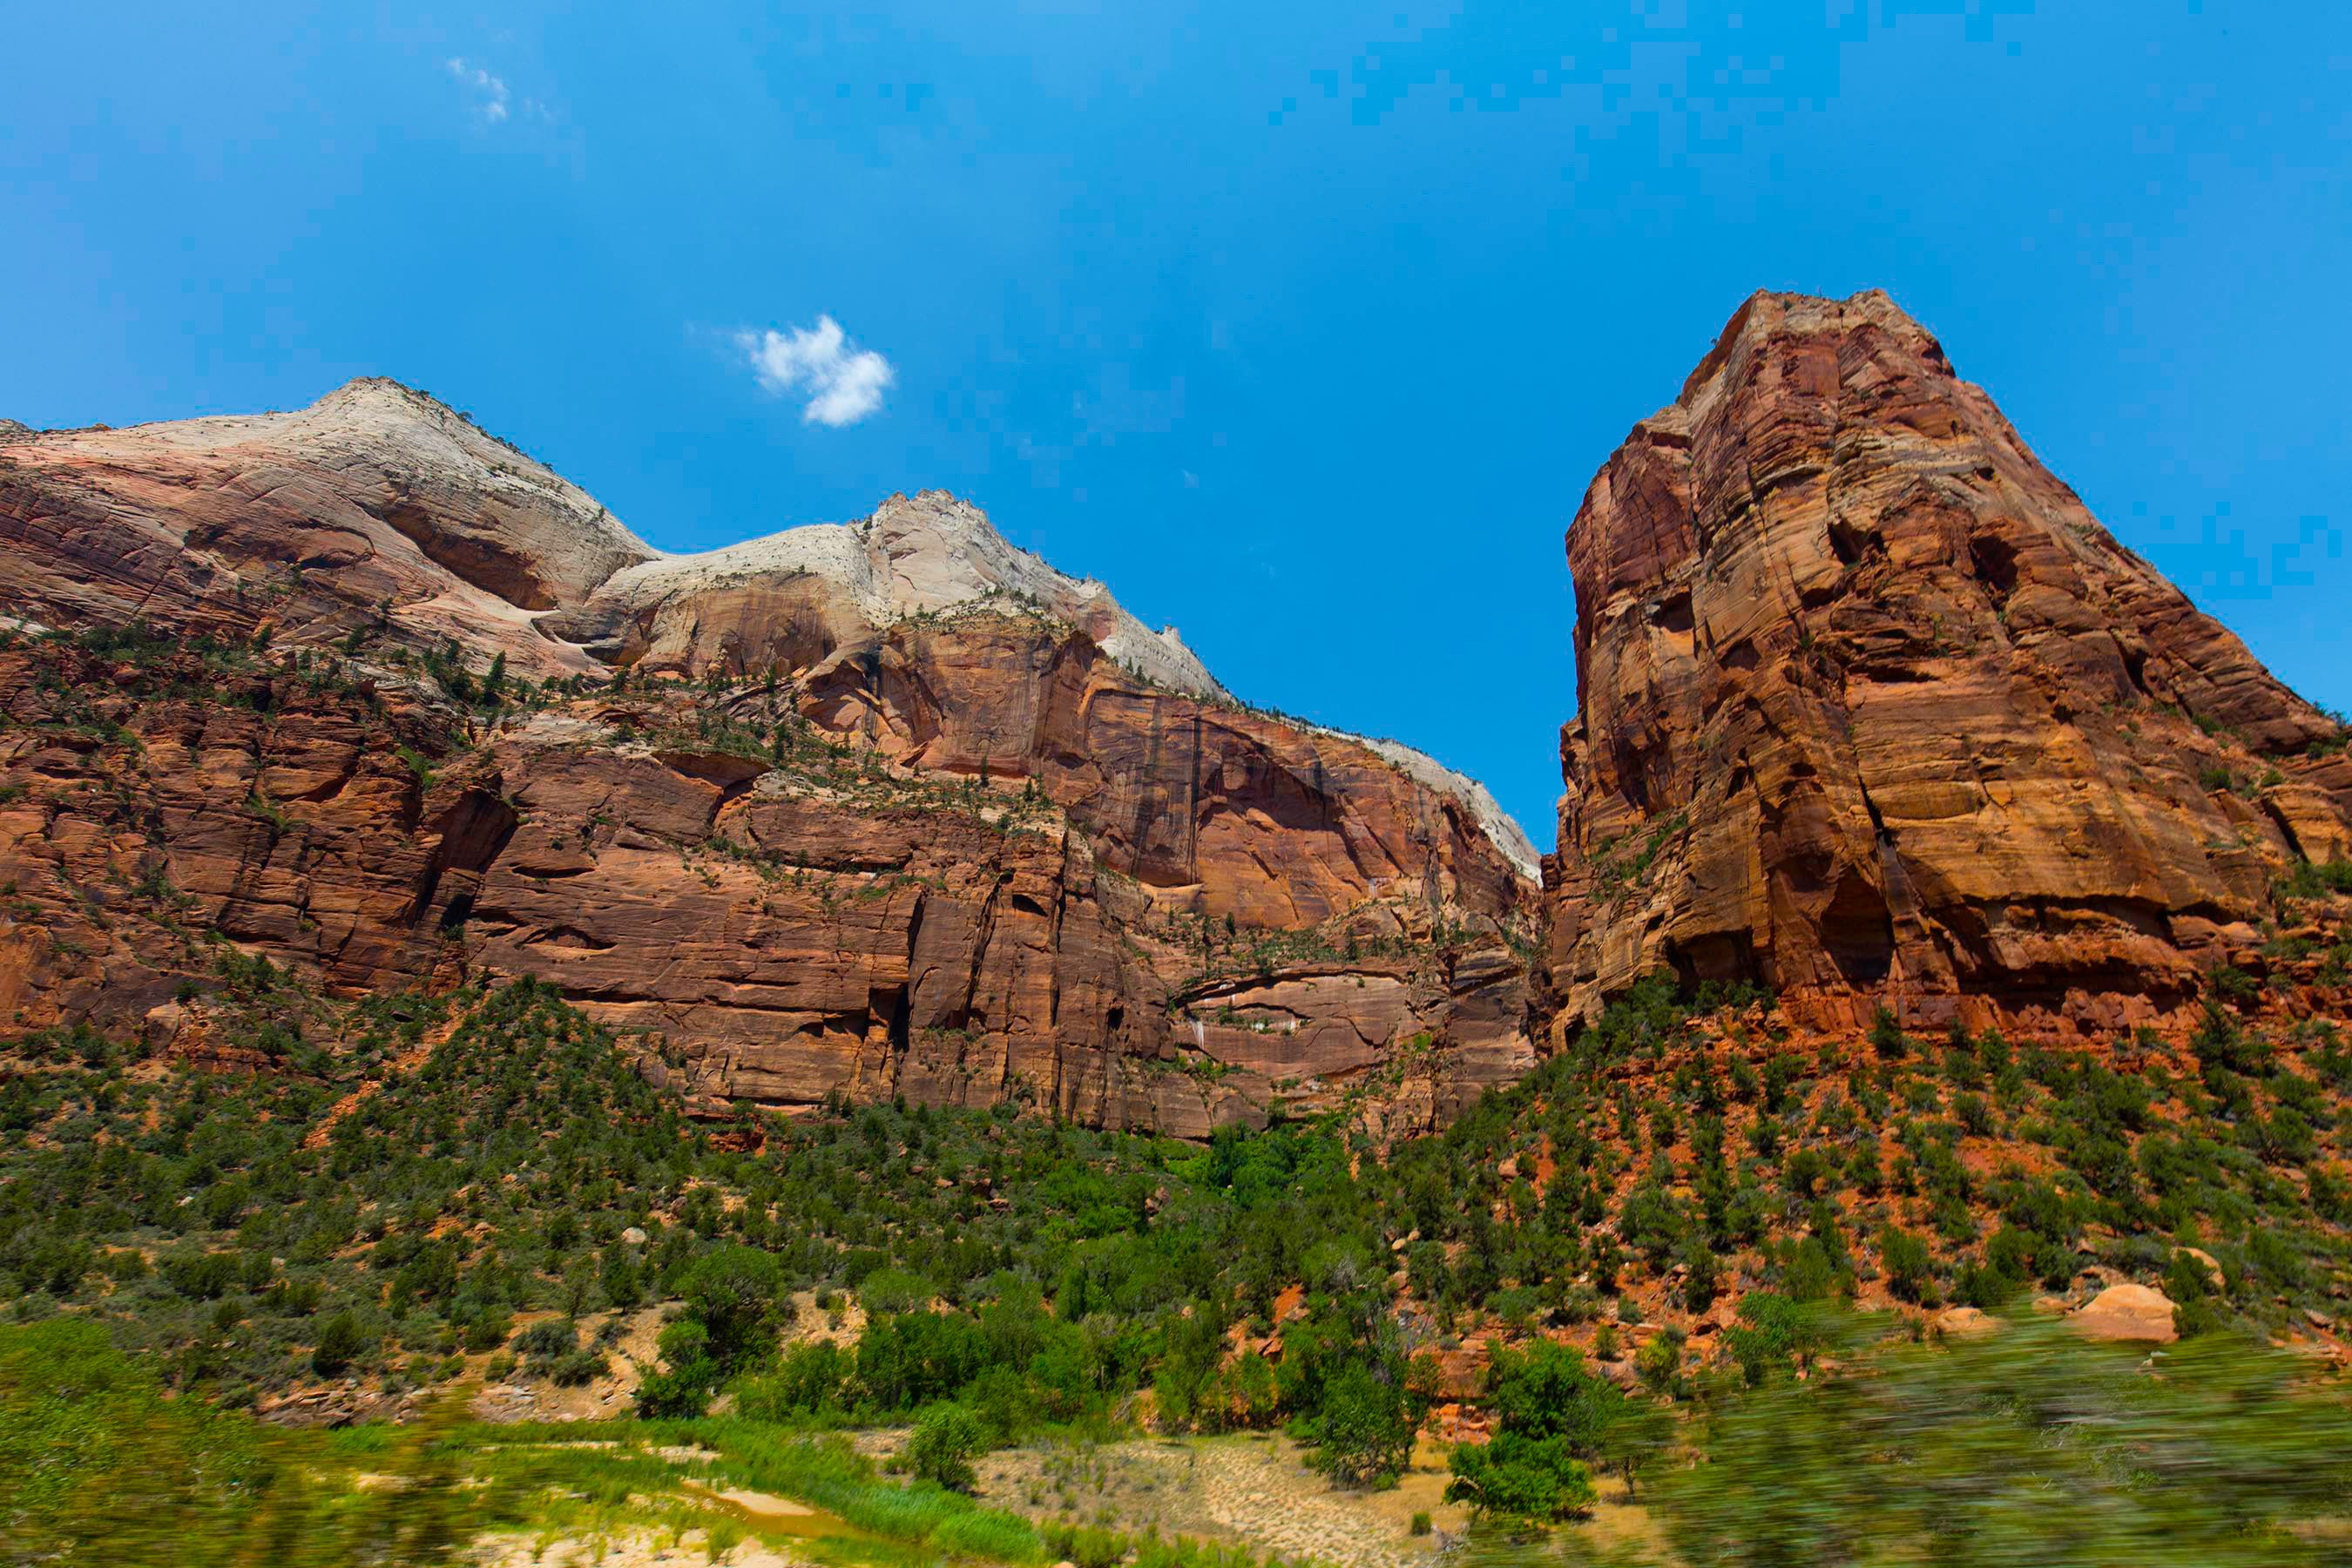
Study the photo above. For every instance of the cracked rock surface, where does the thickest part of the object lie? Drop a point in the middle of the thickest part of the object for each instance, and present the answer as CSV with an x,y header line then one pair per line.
x,y
1871,708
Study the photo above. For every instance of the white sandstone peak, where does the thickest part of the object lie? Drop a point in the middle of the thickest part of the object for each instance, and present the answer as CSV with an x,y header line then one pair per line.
x,y
930,553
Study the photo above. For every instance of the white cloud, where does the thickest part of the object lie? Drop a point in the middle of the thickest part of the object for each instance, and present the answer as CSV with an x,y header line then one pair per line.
x,y
844,383
491,91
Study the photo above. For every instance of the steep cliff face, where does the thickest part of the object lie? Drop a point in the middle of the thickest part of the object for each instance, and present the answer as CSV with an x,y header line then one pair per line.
x,y
1870,707
884,808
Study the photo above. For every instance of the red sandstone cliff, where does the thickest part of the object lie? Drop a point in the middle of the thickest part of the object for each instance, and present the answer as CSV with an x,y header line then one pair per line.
x,y
887,809
1870,707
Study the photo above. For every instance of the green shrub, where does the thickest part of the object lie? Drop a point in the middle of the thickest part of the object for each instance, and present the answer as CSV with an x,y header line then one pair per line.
x,y
2309,879
887,1291
1886,1036
1907,1262
1553,1415
678,1394
946,1442
342,1342
548,1338
1772,1330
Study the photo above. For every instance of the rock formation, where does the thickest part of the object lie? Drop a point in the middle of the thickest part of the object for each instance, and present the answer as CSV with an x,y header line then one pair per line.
x,y
884,808
2138,1314
374,506
1872,709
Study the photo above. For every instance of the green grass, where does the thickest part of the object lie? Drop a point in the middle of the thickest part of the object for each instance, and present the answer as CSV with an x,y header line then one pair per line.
x,y
827,1473
98,1467
2024,1447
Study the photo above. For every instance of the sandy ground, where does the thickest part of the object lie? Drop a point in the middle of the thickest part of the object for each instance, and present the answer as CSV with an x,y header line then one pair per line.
x,y
626,1549
648,1547
526,1399
1250,1489
1256,1489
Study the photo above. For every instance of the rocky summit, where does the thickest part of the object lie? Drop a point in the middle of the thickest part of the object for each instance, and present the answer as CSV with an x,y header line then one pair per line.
x,y
1872,711
883,809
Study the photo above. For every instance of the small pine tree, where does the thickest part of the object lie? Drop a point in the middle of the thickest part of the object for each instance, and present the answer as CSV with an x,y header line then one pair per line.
x,y
342,1342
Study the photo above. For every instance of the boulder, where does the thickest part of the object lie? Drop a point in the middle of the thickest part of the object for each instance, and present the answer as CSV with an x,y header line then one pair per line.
x,y
2138,1314
162,1025
1964,1324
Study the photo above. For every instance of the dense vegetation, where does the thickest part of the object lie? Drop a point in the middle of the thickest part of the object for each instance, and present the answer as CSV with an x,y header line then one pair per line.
x,y
2015,1449
96,1466
418,1190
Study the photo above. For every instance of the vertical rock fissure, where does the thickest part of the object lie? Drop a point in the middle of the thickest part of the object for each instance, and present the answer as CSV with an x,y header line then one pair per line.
x,y
1193,809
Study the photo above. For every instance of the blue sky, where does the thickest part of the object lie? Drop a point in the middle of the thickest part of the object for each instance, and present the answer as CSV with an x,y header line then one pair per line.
x,y
1303,326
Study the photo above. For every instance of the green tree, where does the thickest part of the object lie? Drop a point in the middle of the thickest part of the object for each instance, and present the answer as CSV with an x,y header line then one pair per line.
x,y
342,1342
621,1279
681,1387
1364,1429
733,1291
814,1378
1553,1415
946,1442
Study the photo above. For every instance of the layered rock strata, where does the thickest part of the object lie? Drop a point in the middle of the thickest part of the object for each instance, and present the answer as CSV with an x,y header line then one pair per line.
x,y
889,808
1871,709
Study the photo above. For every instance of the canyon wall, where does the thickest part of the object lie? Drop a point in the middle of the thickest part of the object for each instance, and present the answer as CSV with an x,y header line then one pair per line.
x,y
884,808
1871,709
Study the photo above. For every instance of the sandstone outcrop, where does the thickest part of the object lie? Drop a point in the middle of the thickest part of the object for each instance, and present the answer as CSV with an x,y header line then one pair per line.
x,y
1872,709
889,808
376,508
2135,1314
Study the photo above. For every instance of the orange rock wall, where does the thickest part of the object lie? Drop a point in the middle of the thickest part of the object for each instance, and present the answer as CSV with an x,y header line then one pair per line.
x,y
1870,707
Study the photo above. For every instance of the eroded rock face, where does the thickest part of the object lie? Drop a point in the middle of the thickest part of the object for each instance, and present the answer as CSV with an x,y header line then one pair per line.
x,y
374,507
1870,707
884,808
774,928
